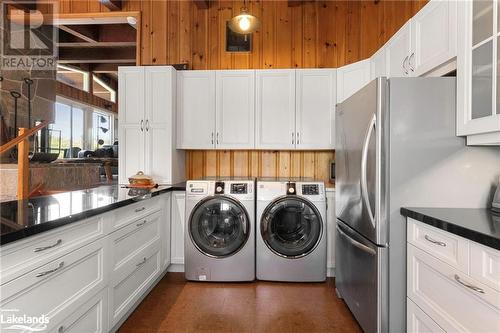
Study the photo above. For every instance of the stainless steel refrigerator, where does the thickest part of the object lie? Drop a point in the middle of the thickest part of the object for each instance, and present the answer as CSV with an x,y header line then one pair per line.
x,y
389,136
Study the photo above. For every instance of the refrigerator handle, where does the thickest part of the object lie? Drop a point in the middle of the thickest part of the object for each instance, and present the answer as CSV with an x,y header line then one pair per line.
x,y
364,157
357,244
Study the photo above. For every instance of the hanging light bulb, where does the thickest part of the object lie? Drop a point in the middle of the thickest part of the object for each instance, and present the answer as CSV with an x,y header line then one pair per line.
x,y
244,23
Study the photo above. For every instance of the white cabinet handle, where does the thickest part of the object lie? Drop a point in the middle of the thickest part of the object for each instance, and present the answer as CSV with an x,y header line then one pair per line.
x,y
141,224
142,127
137,210
412,68
293,138
429,239
147,125
404,65
61,265
142,262
298,137
217,137
212,138
477,289
43,248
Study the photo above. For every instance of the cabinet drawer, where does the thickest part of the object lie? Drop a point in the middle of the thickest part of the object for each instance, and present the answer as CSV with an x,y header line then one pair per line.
x,y
131,280
59,287
130,239
441,292
91,317
21,257
442,245
418,321
485,265
130,213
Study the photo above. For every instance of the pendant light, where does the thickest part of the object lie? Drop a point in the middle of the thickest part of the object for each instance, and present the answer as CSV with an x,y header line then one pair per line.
x,y
244,23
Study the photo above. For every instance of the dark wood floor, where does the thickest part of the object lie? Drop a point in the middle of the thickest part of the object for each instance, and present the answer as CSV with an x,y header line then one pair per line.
x,y
176,305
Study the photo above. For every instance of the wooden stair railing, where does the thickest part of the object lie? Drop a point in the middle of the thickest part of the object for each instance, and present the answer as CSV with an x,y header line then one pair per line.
x,y
23,163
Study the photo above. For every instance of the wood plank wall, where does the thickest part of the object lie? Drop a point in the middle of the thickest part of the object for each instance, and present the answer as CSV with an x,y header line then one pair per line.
x,y
313,34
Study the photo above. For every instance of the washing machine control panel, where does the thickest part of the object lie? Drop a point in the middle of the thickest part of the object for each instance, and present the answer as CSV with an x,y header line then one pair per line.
x,y
290,189
239,188
310,189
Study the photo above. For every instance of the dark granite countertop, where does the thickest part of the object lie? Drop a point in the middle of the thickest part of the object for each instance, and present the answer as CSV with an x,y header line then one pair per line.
x,y
24,218
478,225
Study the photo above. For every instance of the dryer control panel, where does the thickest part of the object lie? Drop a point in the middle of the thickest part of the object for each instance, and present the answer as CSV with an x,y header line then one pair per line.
x,y
239,188
310,189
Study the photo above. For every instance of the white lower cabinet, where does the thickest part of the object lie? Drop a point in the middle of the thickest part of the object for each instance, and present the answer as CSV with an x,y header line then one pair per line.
x,y
92,317
418,321
457,300
88,276
58,288
331,230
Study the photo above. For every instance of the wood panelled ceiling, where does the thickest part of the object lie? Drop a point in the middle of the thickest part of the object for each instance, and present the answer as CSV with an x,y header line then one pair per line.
x,y
306,35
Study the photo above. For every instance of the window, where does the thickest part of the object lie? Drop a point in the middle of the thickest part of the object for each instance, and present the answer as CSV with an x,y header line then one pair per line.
x,y
66,133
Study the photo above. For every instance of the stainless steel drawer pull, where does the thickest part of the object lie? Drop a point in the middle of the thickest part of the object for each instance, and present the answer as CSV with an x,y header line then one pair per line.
x,y
142,262
141,223
60,329
434,241
43,248
477,289
137,210
61,265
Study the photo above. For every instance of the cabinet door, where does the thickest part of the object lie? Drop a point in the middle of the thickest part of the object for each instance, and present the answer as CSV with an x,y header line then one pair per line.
x,y
351,78
131,95
377,64
235,111
434,36
275,109
196,110
398,52
478,95
166,227
315,116
158,124
178,226
417,321
131,153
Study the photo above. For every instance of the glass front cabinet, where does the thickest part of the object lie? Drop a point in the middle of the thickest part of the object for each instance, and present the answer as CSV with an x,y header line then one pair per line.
x,y
478,72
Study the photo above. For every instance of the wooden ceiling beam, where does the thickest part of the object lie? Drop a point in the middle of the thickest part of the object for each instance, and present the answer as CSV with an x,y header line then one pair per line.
x,y
112,5
86,33
109,68
97,44
96,55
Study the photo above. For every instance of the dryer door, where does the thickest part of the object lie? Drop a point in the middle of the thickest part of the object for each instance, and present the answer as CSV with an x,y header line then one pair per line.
x,y
291,227
219,226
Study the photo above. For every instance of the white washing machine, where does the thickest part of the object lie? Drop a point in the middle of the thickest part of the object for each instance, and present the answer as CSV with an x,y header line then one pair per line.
x,y
220,230
291,231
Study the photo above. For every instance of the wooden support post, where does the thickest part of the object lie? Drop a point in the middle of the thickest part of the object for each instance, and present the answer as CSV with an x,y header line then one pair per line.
x,y
23,167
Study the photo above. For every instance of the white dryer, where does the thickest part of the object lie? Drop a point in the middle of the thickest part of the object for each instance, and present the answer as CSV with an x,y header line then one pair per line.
x,y
291,236
220,238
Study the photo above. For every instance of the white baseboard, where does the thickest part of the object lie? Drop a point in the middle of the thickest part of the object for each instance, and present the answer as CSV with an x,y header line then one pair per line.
x,y
176,268
330,271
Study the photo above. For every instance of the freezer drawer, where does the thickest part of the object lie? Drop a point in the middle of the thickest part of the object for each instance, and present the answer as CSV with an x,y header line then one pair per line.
x,y
361,278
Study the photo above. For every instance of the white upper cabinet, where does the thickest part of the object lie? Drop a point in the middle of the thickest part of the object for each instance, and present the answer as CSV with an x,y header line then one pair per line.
x,y
434,36
146,130
315,108
196,110
275,109
235,109
397,52
378,66
478,92
351,78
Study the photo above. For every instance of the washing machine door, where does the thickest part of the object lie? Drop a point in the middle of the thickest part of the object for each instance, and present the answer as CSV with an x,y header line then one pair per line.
x,y
291,227
219,226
